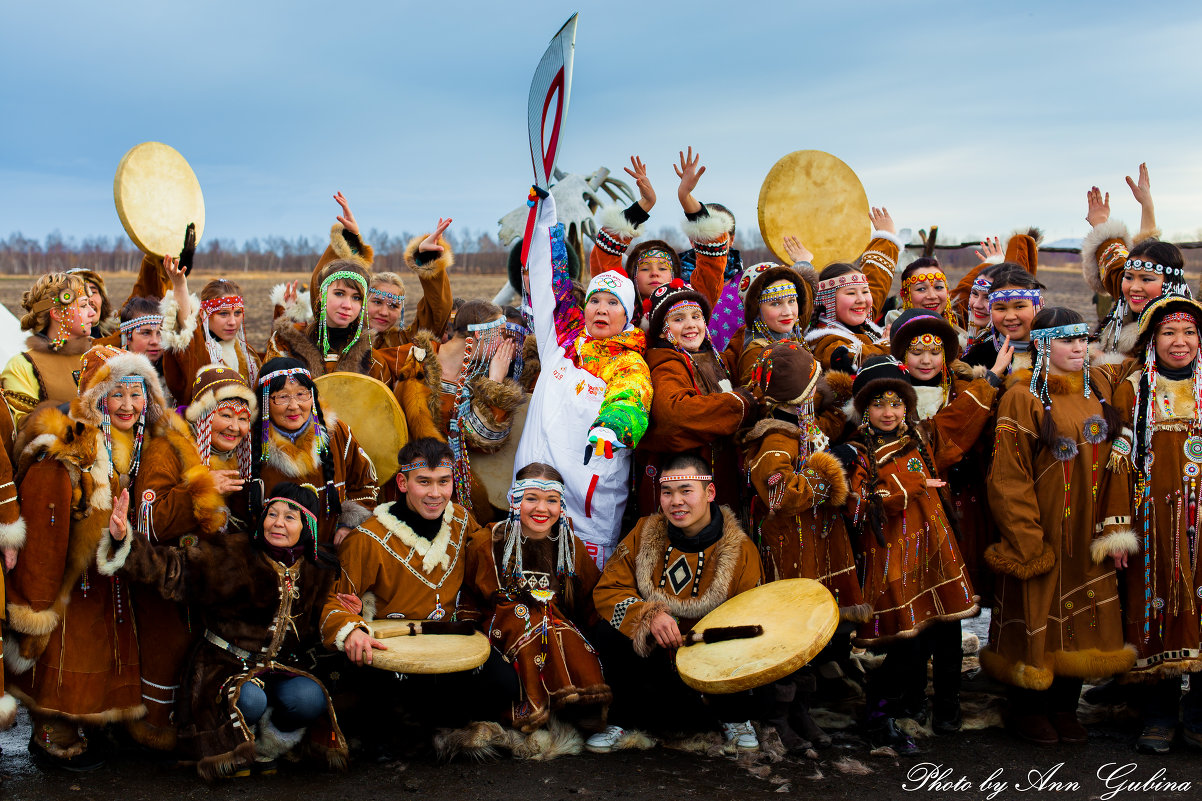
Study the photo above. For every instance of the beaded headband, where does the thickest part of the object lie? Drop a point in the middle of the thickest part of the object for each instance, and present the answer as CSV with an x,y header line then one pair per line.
x,y
138,322
208,307
654,254
132,379
889,396
982,284
840,281
62,300
421,464
542,484
1179,317
1152,267
1007,295
684,304
918,278
692,477
779,291
309,516
925,343
380,293
1061,332
323,335
266,379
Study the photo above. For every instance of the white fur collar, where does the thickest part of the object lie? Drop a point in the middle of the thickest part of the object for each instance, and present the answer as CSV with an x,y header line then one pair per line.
x,y
930,400
433,552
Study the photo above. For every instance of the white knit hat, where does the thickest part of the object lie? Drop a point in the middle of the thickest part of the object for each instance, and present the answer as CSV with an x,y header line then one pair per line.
x,y
616,284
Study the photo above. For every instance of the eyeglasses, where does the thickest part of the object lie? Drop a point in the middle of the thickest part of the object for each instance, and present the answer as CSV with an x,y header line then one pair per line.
x,y
286,400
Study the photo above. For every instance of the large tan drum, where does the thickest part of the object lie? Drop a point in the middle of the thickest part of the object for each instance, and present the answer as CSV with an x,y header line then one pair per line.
x,y
157,196
799,617
816,197
373,414
427,653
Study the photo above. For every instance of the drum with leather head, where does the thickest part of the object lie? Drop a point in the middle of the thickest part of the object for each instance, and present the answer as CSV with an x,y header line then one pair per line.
x,y
815,197
426,653
798,616
373,414
157,196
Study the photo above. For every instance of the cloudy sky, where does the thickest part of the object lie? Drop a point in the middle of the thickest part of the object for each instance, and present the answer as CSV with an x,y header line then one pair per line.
x,y
980,117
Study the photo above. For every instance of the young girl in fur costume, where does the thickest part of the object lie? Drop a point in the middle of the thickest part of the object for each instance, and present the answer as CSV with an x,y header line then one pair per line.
x,y
80,668
594,392
299,441
912,572
796,516
1131,276
777,304
1161,586
958,402
970,298
246,701
850,299
924,286
1065,527
693,405
59,320
1015,297
533,575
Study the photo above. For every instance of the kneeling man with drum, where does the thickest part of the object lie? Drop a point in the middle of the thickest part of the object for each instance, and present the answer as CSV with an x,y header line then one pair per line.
x,y
675,567
406,563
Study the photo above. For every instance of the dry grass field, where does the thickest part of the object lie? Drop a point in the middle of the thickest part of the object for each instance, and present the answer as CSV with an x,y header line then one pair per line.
x,y
1065,288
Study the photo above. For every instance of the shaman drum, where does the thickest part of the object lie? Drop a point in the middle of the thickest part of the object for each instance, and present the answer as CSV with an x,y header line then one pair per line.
x,y
427,653
157,195
373,414
816,197
799,617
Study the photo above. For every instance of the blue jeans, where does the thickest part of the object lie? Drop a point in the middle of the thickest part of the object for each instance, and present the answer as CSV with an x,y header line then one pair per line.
x,y
295,700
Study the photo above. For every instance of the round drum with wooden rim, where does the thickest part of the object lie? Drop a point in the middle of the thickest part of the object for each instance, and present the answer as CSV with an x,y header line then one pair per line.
x,y
816,197
799,617
157,196
427,653
373,414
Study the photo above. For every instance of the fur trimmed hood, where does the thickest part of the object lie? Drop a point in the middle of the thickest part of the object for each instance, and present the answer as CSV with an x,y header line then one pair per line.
x,y
223,384
299,342
101,370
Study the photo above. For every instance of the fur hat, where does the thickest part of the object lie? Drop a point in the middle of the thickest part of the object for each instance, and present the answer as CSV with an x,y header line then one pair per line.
x,y
785,372
616,284
216,383
1160,308
879,375
665,296
637,251
758,277
101,370
914,323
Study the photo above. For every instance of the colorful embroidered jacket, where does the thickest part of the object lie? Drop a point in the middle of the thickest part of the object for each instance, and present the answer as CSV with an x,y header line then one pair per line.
x,y
616,360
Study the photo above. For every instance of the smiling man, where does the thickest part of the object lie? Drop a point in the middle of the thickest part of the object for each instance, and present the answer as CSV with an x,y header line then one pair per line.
x,y
407,562
675,567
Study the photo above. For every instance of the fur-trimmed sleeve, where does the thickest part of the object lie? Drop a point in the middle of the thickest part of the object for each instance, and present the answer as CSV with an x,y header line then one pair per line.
x,y
179,491
298,310
1114,534
1103,253
710,235
879,263
1023,551
180,327
434,308
615,231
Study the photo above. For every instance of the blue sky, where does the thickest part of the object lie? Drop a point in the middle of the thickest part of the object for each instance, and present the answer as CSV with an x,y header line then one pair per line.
x,y
979,117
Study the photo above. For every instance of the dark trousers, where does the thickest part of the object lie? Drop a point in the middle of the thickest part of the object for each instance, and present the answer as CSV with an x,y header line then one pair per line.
x,y
903,676
649,693
1163,702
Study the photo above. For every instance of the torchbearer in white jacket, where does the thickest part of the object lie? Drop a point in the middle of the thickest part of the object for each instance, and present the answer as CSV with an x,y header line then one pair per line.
x,y
594,391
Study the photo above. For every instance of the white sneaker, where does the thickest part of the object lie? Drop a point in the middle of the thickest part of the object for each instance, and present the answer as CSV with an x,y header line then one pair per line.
x,y
741,735
605,741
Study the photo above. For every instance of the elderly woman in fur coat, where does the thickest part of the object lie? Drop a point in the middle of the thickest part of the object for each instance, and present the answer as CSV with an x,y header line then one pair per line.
x,y
257,596
300,441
